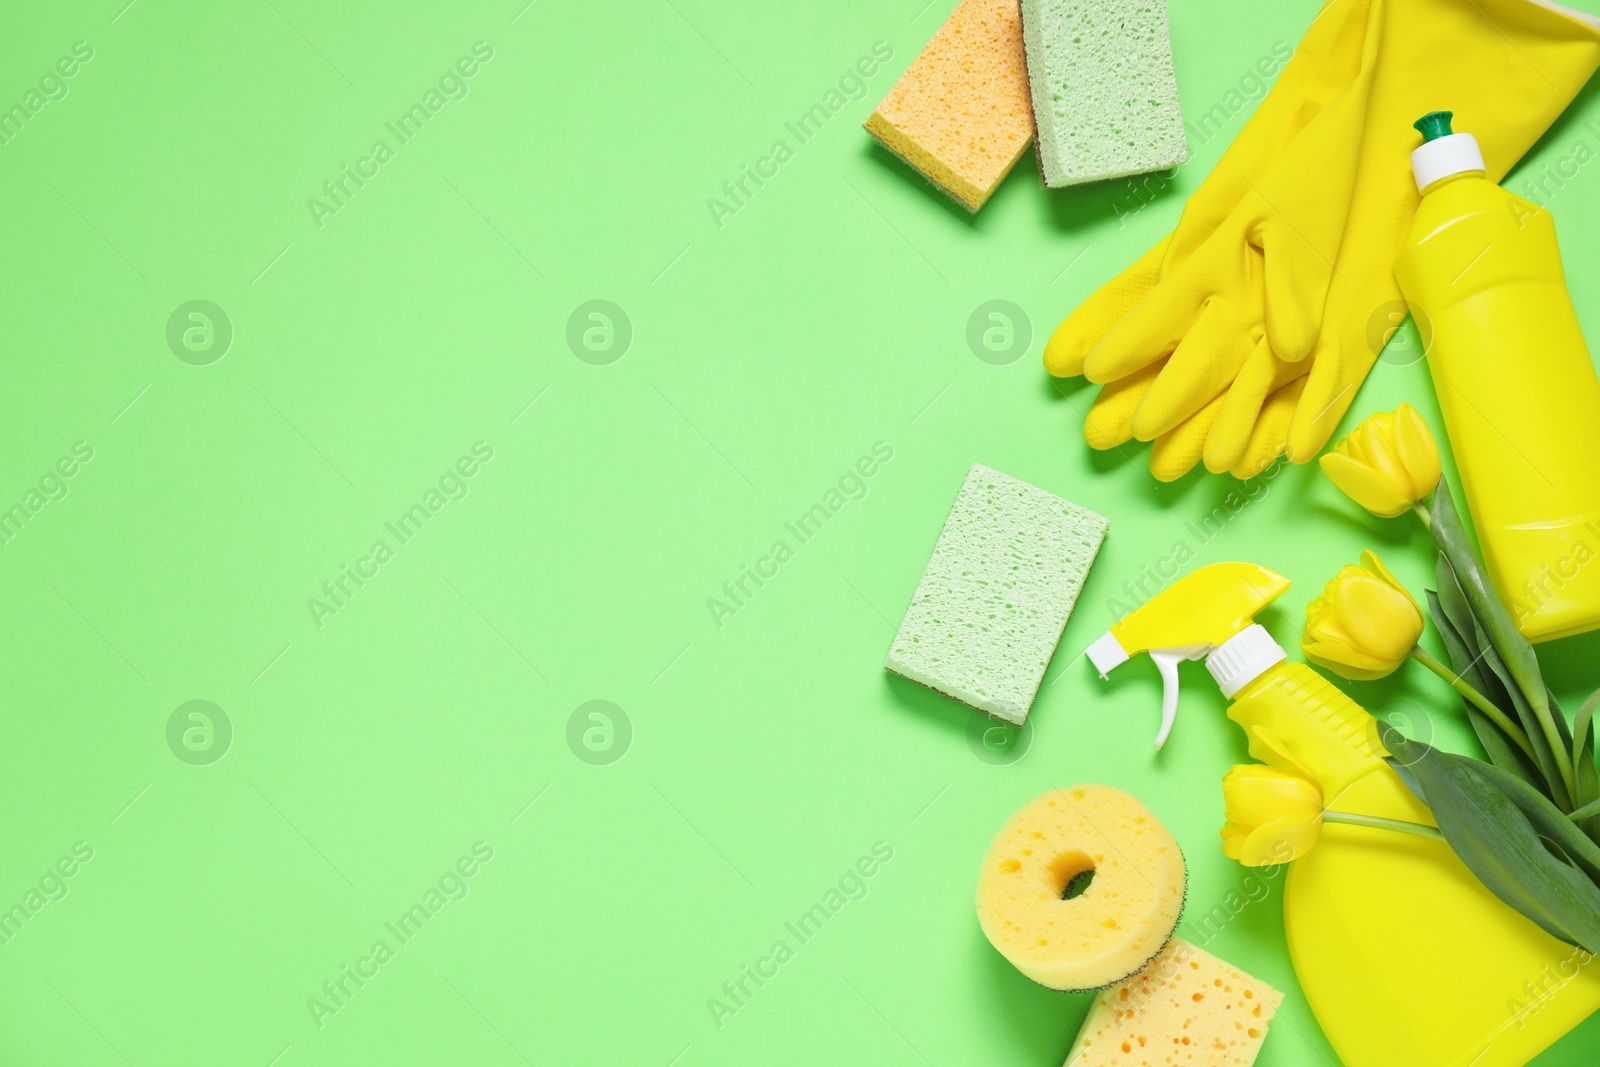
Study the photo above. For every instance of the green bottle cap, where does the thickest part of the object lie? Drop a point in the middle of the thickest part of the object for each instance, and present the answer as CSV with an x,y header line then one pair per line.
x,y
1433,125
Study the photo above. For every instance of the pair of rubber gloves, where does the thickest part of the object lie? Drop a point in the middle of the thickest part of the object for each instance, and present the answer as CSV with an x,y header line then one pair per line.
x,y
1246,332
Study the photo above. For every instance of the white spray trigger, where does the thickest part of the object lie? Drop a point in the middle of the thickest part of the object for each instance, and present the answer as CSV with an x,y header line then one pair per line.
x,y
1207,609
1167,660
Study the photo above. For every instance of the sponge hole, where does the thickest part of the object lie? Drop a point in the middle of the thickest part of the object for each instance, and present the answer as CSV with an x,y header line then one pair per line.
x,y
1073,872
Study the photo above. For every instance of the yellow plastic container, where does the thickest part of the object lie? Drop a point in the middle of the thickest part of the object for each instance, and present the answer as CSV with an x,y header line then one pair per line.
x,y
1482,274
1404,956
1402,953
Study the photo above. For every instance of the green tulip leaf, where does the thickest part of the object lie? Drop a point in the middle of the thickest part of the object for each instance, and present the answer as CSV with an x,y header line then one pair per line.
x,y
1457,614
1581,727
1581,736
1585,812
1586,779
1451,535
1556,850
1452,601
1583,764
1500,845
1529,719
1547,820
1402,771
1502,752
1488,675
1510,670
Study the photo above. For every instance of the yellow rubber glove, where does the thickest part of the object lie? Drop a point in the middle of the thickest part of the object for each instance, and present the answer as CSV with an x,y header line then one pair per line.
x,y
1271,392
1508,67
1258,282
1326,61
1238,440
1328,58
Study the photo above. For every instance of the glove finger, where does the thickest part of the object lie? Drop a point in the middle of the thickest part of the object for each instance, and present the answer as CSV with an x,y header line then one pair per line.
x,y
1108,305
1174,453
1297,275
1271,431
1302,205
1327,59
1319,72
1110,419
1201,367
1154,328
1339,366
1262,375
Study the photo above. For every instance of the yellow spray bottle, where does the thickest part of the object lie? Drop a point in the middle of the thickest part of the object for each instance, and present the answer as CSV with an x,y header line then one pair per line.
x,y
1482,274
1402,953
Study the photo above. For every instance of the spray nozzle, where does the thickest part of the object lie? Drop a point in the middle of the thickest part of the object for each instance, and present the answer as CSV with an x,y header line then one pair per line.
x,y
1192,618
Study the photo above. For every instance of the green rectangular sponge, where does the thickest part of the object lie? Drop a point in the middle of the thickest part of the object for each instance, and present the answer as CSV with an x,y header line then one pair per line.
x,y
995,597
1105,100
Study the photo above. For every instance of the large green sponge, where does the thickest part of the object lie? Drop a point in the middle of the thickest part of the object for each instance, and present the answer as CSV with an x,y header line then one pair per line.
x,y
1105,101
992,603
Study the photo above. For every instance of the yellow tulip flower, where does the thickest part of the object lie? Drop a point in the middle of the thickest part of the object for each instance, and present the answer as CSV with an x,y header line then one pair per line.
x,y
1387,464
1364,624
1273,816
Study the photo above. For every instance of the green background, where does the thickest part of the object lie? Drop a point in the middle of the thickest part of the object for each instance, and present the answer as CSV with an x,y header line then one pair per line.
x,y
431,711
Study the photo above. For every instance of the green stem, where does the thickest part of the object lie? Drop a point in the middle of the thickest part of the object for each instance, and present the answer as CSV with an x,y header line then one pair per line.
x,y
1477,700
1422,512
1378,823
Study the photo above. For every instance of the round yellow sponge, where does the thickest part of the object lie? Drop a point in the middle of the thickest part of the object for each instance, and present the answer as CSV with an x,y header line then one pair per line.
x,y
1081,887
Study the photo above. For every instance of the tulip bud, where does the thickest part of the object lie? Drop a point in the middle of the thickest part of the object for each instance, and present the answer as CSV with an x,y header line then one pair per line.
x,y
1387,464
1274,816
1364,624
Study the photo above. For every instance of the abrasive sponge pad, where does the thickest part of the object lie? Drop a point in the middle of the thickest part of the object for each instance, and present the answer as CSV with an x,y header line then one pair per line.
x,y
1104,96
992,603
960,113
1187,1007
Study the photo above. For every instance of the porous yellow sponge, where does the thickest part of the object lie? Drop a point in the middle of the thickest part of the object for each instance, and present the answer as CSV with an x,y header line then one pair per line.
x,y
1081,887
1187,1009
961,113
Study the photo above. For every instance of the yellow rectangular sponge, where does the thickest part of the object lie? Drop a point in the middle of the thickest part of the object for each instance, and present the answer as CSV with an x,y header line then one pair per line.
x,y
961,113
1186,1008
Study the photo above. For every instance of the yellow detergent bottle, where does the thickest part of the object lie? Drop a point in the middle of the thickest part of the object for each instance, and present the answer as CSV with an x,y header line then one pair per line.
x,y
1521,402
1404,956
